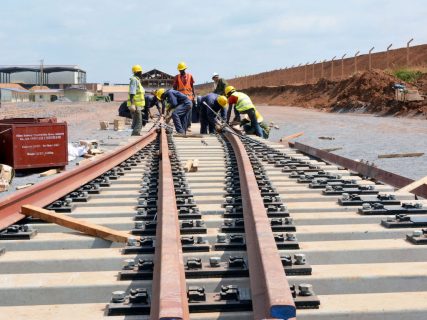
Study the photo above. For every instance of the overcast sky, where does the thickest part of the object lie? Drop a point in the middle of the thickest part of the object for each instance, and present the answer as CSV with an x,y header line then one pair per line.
x,y
234,37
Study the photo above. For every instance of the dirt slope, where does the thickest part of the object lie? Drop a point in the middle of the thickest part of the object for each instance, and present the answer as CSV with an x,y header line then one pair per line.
x,y
369,92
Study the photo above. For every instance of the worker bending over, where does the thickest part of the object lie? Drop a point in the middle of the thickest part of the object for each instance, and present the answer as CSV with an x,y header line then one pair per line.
x,y
246,124
184,83
242,104
179,105
216,106
136,100
150,102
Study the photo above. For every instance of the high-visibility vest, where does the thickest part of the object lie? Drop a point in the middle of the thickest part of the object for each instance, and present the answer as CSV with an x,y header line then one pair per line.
x,y
185,88
243,103
138,98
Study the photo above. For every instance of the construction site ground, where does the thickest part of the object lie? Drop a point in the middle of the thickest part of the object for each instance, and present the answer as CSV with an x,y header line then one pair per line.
x,y
360,136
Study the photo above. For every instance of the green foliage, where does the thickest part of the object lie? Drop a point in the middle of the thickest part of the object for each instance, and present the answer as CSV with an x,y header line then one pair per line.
x,y
407,75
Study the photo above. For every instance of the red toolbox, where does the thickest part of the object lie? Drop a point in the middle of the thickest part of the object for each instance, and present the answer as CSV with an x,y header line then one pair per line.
x,y
27,143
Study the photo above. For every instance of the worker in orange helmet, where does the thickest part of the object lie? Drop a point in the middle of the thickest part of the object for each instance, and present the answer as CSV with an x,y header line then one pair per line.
x,y
184,83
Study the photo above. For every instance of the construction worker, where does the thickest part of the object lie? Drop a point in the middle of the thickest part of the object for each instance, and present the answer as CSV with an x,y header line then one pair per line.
x,y
179,105
136,100
216,106
242,104
246,124
184,83
219,84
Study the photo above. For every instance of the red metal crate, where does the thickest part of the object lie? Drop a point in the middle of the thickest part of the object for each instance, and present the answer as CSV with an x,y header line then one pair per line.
x,y
32,143
29,120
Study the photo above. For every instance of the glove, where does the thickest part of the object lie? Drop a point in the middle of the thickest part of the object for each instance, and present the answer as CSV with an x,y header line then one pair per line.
x,y
132,108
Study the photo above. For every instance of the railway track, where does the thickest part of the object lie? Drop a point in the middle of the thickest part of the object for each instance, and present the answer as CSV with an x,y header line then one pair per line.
x,y
259,231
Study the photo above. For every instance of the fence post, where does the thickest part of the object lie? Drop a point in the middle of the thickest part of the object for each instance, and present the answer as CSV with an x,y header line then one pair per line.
x,y
370,58
332,67
387,56
314,79
342,66
407,52
355,61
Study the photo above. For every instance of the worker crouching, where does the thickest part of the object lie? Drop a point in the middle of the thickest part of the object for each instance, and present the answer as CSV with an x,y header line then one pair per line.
x,y
178,106
242,104
136,99
211,106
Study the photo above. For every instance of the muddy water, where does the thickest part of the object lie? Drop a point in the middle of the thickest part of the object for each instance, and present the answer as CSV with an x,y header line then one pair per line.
x,y
359,136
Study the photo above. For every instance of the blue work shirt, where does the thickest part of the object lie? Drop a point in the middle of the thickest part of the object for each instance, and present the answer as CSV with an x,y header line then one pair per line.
x,y
211,101
175,98
151,101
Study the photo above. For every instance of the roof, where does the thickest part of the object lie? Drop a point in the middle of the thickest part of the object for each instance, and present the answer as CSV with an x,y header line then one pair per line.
x,y
39,88
156,74
36,68
47,91
13,87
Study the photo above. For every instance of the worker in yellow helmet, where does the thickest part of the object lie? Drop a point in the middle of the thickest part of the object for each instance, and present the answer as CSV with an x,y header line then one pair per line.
x,y
136,100
216,105
242,104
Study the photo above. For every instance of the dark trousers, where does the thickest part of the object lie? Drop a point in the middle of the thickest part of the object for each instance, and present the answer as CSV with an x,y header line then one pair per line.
x,y
254,122
181,117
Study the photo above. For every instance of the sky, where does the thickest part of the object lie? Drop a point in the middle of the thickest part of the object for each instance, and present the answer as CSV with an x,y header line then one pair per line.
x,y
233,38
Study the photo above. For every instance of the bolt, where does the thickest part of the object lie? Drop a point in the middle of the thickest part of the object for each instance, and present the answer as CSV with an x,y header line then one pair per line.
x,y
132,242
390,218
118,296
299,258
290,237
129,264
139,225
221,238
305,289
366,206
417,233
214,261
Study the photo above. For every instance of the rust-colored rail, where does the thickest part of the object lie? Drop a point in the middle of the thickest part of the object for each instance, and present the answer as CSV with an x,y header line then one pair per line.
x,y
169,297
271,295
364,169
50,190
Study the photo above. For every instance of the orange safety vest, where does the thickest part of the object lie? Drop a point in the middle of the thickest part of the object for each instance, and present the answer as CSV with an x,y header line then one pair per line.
x,y
185,88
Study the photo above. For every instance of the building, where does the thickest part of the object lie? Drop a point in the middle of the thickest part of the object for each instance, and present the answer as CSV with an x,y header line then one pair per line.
x,y
55,76
44,94
78,94
12,92
151,81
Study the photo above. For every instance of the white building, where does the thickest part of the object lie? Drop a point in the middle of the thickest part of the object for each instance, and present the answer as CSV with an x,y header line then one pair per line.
x,y
51,75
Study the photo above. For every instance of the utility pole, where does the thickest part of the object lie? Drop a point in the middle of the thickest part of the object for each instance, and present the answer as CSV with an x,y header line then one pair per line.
x,y
342,66
355,61
407,51
41,73
332,67
387,57
370,58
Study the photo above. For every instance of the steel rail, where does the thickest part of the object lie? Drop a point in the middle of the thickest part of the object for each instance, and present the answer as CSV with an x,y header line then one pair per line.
x,y
364,169
46,192
271,295
169,297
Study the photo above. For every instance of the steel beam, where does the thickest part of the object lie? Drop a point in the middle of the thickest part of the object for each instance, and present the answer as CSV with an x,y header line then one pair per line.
x,y
50,190
366,170
169,297
271,295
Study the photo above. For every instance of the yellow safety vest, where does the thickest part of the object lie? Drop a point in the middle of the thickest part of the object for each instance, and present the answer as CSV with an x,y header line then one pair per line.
x,y
138,98
244,103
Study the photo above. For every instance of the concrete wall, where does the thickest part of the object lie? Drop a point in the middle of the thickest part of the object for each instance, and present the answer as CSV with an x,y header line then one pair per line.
x,y
78,95
13,96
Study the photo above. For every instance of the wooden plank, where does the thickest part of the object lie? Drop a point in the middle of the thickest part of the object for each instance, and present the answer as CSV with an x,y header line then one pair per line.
x,y
75,224
188,165
292,136
414,185
400,155
24,186
50,172
195,165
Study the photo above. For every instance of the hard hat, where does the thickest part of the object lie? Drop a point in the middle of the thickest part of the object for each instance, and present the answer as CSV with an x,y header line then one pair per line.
x,y
136,68
222,100
159,93
215,74
229,90
182,66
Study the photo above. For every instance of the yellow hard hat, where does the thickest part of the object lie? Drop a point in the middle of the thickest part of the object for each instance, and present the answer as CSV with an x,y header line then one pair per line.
x,y
182,66
222,100
159,93
229,90
136,68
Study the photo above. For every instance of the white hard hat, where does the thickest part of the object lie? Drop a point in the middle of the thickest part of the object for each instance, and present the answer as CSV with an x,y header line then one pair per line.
x,y
215,74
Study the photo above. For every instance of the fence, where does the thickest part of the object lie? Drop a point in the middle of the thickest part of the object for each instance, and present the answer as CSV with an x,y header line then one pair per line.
x,y
334,69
